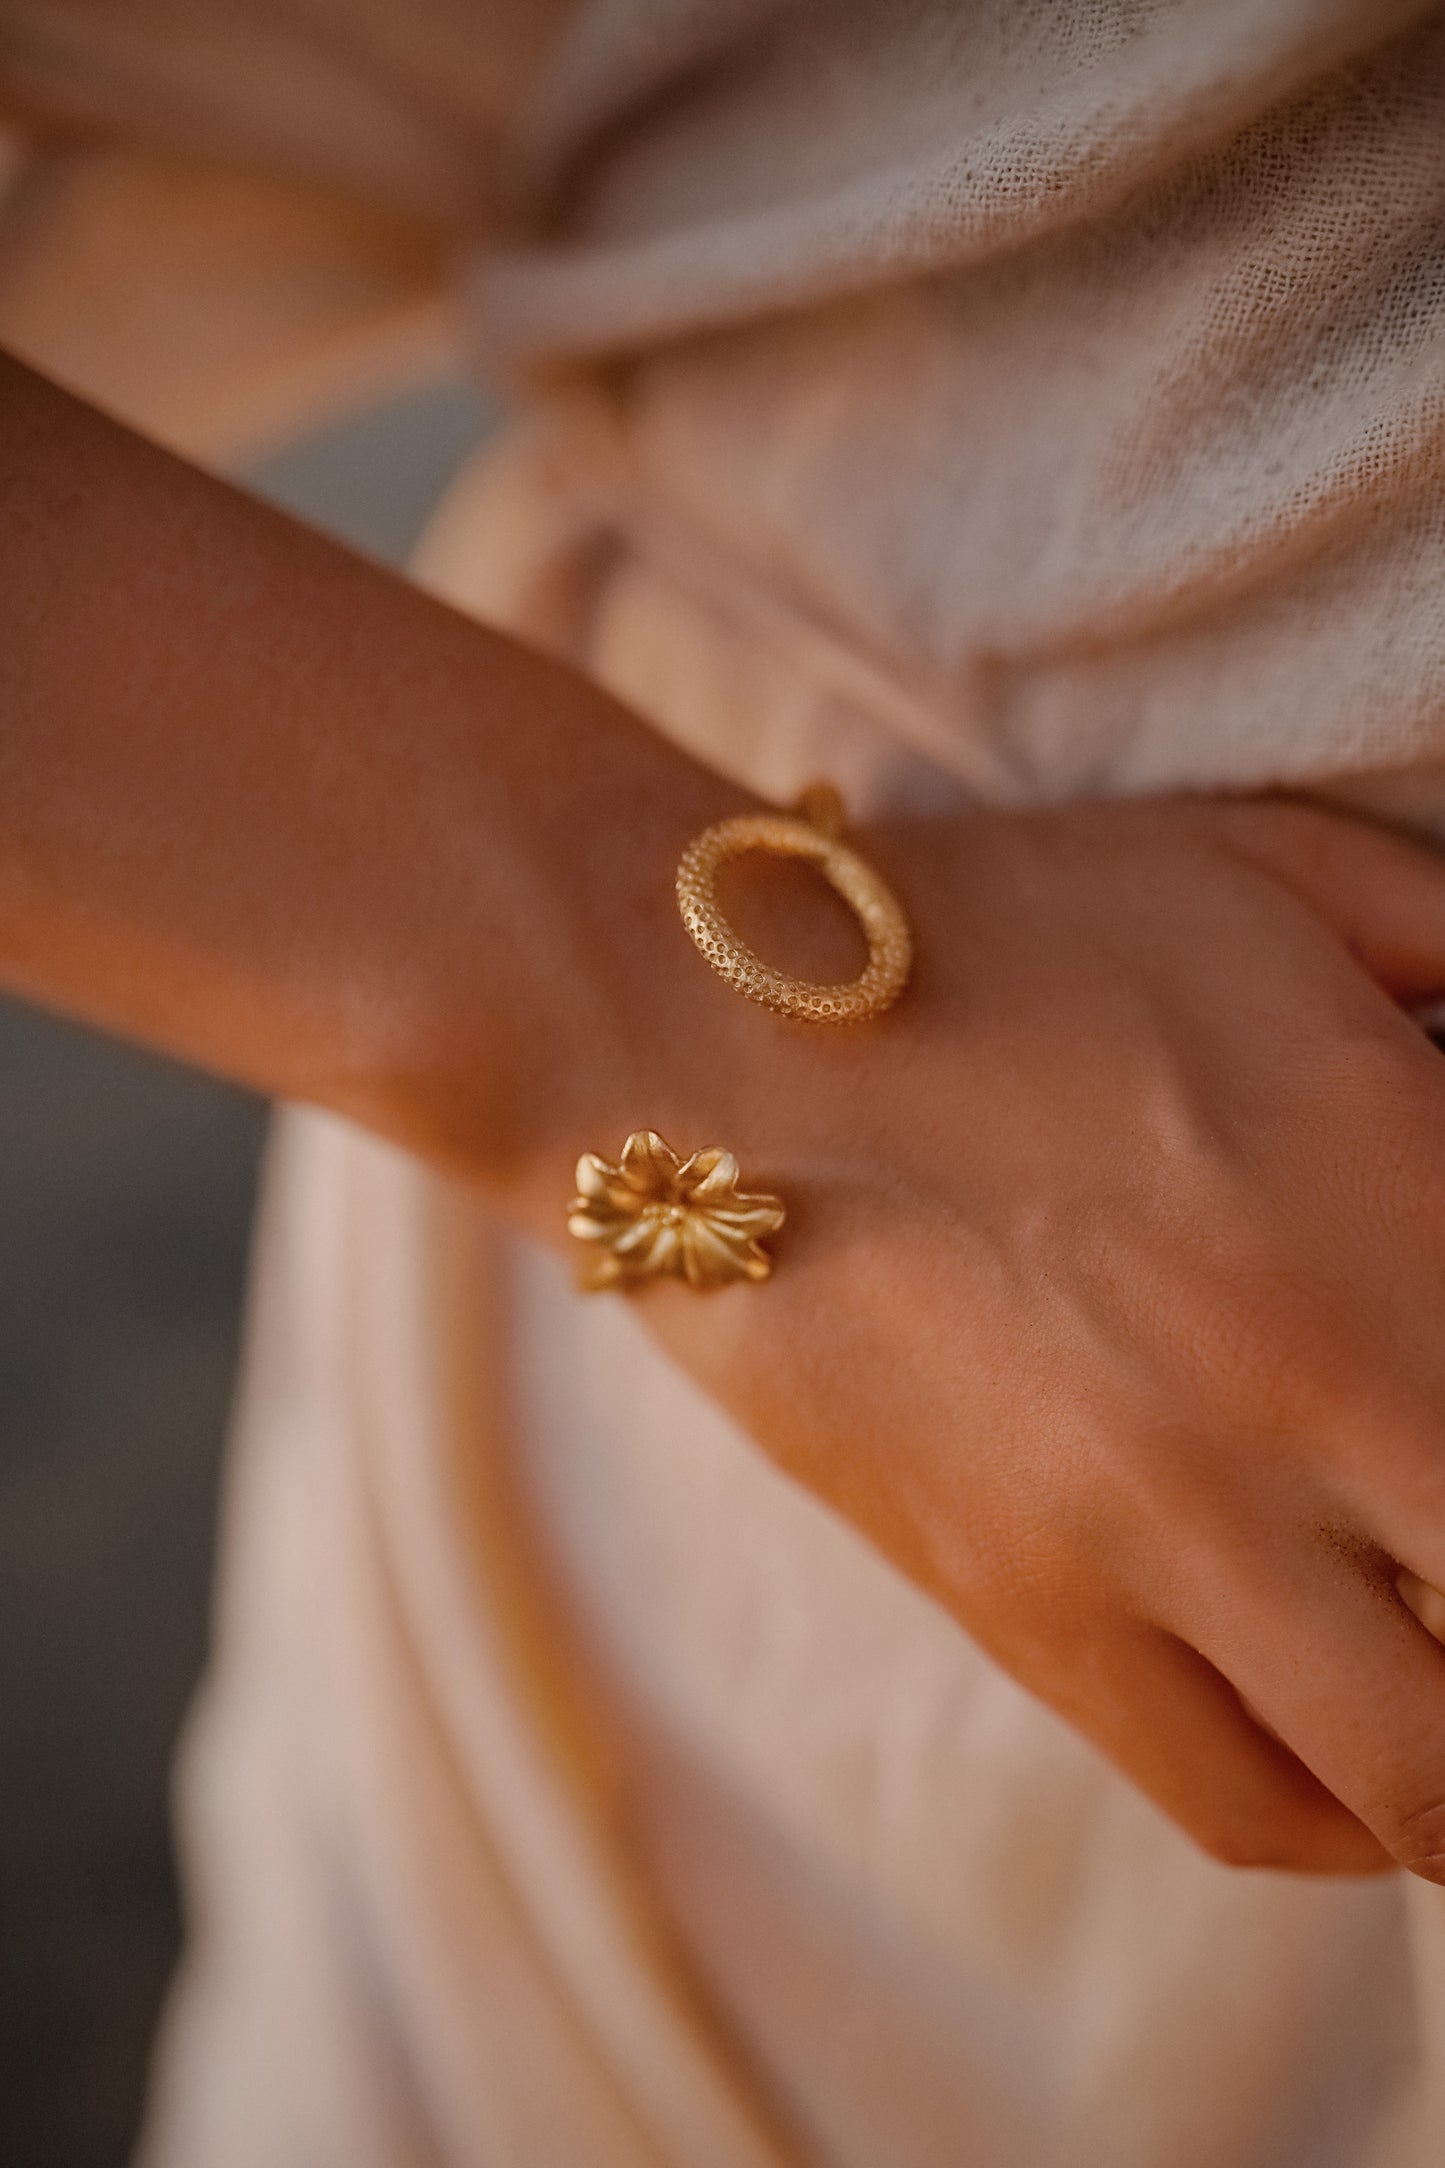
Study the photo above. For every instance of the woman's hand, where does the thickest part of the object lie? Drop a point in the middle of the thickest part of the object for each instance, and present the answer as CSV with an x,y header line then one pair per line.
x,y
1112,1302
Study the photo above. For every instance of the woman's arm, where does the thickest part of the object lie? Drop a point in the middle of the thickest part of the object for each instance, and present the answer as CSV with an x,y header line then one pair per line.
x,y
270,808
1110,1302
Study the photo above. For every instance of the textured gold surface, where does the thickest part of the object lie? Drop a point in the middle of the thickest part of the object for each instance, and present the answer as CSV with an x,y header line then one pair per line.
x,y
812,835
655,1216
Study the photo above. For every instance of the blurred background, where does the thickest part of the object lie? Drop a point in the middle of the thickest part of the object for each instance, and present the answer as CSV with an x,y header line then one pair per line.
x,y
126,1190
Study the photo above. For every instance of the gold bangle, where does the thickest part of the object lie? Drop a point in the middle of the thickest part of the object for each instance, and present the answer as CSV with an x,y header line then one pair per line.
x,y
655,1216
811,833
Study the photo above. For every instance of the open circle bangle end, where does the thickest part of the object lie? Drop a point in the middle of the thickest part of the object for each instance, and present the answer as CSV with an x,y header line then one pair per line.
x,y
873,903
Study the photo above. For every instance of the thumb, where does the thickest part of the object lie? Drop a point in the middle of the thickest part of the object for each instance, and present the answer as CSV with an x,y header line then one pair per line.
x,y
1383,893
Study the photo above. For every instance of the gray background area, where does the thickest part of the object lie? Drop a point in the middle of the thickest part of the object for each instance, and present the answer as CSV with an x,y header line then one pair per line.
x,y
125,1197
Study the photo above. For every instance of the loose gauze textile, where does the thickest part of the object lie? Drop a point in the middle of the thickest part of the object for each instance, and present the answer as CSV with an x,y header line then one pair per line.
x,y
1002,400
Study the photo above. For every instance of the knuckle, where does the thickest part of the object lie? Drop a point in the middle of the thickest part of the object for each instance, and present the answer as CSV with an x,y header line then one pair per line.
x,y
1415,1838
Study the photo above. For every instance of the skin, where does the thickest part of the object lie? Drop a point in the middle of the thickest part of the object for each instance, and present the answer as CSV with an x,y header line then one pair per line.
x,y
1109,1301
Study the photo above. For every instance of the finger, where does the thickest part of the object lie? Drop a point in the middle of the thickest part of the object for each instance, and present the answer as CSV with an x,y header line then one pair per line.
x,y
1425,1600
1171,1723
1381,892
1351,1681
1391,1478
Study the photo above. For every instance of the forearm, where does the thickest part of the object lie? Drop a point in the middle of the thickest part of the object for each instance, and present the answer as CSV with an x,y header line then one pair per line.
x,y
271,809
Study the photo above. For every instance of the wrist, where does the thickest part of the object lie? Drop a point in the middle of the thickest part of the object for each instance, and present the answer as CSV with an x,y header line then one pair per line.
x,y
554,996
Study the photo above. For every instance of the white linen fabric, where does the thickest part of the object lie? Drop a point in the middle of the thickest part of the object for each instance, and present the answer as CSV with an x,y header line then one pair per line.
x,y
1002,401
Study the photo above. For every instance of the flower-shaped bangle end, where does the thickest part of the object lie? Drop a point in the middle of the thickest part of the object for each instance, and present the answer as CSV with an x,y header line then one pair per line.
x,y
657,1216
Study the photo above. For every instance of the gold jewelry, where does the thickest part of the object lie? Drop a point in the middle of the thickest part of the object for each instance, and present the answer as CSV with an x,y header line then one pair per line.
x,y
655,1216
812,833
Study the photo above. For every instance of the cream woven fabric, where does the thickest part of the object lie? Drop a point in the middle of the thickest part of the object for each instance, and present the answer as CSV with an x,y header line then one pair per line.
x,y
1015,398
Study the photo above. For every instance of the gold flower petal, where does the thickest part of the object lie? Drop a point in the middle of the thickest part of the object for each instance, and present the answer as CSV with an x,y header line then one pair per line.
x,y
593,1175
635,1239
706,1261
661,1255
714,1257
750,1216
708,1175
649,1164
599,1185
590,1226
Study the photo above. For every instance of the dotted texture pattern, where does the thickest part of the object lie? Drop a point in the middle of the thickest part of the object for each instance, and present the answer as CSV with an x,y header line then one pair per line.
x,y
890,946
